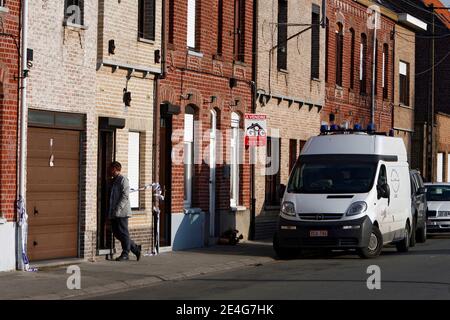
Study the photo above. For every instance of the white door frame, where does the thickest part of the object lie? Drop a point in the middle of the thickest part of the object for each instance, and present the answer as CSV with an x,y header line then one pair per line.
x,y
212,173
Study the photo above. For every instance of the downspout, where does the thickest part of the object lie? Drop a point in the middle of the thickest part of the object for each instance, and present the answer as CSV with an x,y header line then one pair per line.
x,y
252,234
22,227
374,66
156,104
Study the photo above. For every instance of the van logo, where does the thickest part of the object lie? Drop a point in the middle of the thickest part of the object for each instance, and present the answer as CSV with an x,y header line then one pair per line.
x,y
319,217
395,180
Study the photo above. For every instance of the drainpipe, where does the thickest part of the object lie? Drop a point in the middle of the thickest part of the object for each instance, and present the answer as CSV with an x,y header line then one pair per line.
x,y
252,234
22,228
374,66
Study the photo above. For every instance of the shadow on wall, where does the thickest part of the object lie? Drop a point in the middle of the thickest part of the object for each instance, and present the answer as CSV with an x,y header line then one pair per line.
x,y
188,230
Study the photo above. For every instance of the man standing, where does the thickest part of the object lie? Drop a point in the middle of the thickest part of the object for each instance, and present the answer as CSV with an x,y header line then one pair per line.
x,y
120,211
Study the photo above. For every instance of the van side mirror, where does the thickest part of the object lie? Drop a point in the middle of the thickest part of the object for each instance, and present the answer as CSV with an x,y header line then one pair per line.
x,y
384,191
280,190
422,190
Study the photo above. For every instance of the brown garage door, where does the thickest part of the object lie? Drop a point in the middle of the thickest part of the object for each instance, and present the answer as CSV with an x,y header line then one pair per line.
x,y
52,193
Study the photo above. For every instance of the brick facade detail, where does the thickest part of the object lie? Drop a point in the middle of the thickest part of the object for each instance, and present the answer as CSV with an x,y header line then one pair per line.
x,y
9,105
347,104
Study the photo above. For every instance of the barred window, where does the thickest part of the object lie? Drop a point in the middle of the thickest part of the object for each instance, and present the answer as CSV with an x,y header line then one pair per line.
x,y
147,19
282,34
74,11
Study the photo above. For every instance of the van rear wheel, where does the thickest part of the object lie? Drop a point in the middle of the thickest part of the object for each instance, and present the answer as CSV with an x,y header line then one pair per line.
x,y
422,234
374,247
412,238
403,246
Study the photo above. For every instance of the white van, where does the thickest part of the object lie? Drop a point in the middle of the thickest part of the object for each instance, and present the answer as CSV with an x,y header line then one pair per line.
x,y
347,191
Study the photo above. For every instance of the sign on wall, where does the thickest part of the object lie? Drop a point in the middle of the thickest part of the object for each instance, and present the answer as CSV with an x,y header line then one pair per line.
x,y
255,130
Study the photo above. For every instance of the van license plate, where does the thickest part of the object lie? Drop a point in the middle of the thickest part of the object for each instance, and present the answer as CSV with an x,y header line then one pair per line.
x,y
318,233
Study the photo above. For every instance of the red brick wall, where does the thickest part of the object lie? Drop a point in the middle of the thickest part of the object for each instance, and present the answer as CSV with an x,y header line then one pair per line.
x,y
204,77
9,62
348,104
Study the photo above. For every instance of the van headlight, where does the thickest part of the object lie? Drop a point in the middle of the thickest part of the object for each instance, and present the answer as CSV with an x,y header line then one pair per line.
x,y
356,208
288,208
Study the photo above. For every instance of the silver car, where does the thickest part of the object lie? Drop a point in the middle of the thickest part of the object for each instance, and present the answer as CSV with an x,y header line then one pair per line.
x,y
438,213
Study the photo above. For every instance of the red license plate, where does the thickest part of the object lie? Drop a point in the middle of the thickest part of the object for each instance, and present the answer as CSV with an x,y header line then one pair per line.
x,y
318,233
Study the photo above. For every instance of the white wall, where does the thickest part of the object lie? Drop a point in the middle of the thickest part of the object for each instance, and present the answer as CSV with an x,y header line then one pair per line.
x,y
7,246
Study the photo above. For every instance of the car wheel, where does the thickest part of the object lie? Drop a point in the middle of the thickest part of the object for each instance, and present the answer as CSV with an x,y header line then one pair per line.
x,y
283,253
403,246
374,247
422,234
412,239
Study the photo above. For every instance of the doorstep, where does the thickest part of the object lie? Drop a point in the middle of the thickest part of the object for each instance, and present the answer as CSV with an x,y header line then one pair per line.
x,y
44,264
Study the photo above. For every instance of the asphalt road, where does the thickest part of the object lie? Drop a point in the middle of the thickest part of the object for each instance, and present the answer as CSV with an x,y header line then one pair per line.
x,y
423,273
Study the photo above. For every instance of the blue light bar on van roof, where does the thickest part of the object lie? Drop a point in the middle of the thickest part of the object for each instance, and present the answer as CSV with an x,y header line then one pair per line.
x,y
371,127
334,127
323,128
357,127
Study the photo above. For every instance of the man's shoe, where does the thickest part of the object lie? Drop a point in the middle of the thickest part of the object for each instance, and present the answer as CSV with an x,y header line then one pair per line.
x,y
138,253
122,258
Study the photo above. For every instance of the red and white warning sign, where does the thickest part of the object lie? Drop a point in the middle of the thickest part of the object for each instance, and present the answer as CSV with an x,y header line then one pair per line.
x,y
255,130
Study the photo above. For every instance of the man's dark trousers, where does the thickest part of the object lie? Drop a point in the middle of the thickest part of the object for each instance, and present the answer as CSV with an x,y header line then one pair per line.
x,y
120,231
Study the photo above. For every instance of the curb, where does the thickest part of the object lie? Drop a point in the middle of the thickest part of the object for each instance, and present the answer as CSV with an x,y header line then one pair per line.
x,y
127,285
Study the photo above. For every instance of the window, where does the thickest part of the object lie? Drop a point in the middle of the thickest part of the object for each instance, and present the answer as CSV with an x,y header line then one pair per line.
x,y
339,52
192,24
375,84
134,166
404,83
282,35
188,155
147,19
440,167
315,42
171,19
235,156
382,176
74,12
362,64
2,3
220,27
352,58
385,70
239,29
292,153
273,171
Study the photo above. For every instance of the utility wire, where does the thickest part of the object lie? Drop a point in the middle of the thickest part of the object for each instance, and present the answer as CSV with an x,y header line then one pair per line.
x,y
436,64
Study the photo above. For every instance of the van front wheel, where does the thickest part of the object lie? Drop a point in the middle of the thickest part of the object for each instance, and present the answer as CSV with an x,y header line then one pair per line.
x,y
403,246
374,247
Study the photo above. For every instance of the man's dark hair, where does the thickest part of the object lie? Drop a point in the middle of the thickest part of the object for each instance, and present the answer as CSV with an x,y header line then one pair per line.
x,y
116,165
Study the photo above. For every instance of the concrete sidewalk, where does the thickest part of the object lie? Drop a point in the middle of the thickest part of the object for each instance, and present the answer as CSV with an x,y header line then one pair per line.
x,y
104,277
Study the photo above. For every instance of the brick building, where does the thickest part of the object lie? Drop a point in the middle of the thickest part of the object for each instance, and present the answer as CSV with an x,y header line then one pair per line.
x,y
61,150
128,62
9,105
203,95
432,96
291,91
350,46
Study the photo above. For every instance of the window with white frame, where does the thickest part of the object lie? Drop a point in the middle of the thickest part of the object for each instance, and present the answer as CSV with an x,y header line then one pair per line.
x,y
191,24
440,167
188,156
404,83
134,166
235,156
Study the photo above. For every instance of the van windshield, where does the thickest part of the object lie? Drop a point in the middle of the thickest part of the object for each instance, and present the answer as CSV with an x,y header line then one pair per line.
x,y
332,176
438,193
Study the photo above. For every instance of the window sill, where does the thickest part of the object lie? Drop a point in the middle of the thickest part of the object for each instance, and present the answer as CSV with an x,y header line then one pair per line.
x,y
4,10
338,87
189,211
283,71
239,63
75,26
144,40
316,80
195,53
218,57
405,106
238,208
